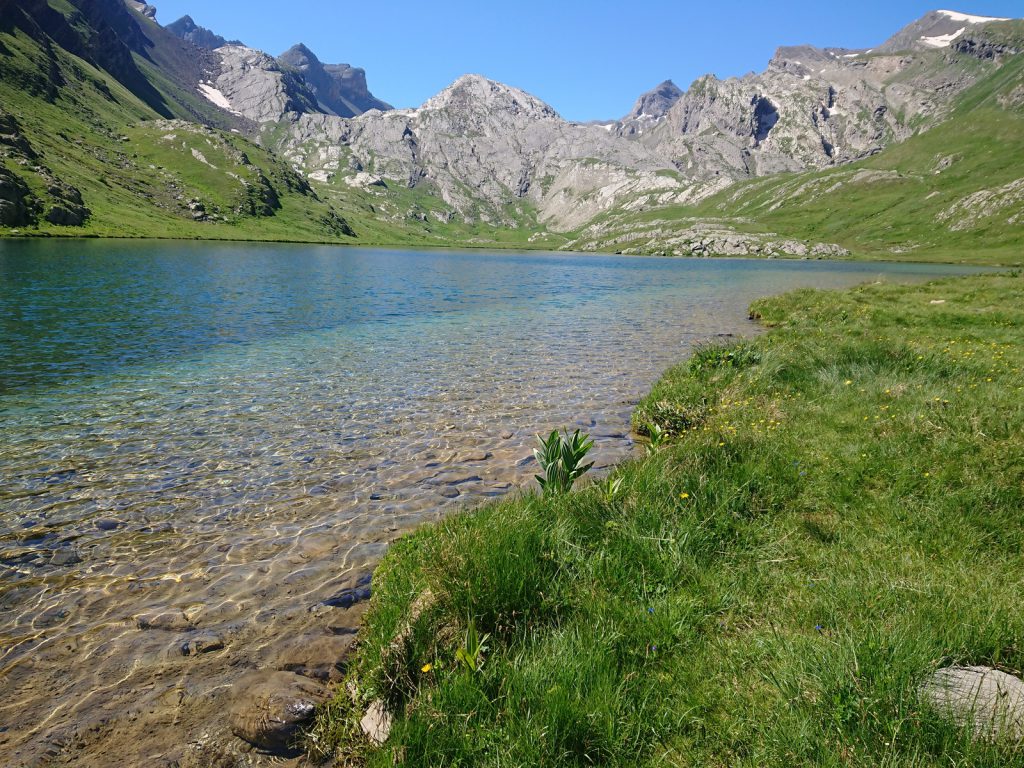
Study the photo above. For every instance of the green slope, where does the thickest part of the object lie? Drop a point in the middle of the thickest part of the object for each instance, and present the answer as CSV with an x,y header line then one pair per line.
x,y
92,135
83,154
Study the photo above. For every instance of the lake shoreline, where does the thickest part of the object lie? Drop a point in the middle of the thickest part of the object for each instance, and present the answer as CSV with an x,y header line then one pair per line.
x,y
550,580
498,246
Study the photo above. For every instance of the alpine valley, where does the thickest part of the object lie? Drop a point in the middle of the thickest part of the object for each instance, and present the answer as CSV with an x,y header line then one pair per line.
x,y
113,125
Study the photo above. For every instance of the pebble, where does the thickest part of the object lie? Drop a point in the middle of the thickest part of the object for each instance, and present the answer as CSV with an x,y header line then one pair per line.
x,y
346,598
376,723
66,556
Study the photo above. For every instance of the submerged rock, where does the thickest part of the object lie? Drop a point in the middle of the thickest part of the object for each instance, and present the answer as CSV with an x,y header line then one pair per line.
x,y
168,621
204,642
989,701
320,656
271,708
66,556
346,598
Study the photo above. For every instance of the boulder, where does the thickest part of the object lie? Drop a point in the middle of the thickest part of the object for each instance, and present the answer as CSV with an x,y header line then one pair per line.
x,y
66,556
15,205
67,216
991,702
271,709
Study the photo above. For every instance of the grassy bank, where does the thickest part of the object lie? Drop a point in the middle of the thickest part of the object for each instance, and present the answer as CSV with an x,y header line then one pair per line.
x,y
840,511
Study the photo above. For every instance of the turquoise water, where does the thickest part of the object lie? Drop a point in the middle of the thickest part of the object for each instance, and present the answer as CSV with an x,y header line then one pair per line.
x,y
227,435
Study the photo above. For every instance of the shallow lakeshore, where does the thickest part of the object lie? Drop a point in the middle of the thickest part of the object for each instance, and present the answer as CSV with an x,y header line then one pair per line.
x,y
219,477
836,518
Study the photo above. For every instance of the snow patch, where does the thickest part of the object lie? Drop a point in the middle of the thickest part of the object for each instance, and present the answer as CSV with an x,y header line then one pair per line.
x,y
941,41
957,16
215,96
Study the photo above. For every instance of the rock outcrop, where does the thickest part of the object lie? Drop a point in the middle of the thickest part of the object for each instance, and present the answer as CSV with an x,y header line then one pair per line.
x,y
255,86
495,154
810,108
147,10
15,200
61,204
340,89
655,102
187,29
489,151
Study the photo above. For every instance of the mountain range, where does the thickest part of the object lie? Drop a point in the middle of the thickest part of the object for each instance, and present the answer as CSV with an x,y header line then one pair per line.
x,y
112,124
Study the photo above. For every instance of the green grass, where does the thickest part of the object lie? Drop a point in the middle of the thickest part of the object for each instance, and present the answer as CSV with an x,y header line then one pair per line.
x,y
841,516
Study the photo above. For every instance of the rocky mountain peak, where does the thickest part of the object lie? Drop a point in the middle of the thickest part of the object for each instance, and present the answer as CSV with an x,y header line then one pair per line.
x,y
936,29
807,59
186,29
475,94
656,102
147,10
298,56
340,89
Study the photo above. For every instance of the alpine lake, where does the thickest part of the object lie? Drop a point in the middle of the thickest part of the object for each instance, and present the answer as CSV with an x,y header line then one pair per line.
x,y
205,448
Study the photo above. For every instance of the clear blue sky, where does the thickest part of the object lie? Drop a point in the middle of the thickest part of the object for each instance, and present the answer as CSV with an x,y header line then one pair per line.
x,y
589,60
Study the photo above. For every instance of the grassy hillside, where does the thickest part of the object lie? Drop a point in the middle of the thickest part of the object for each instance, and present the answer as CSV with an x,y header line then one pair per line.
x,y
75,143
93,135
837,514
952,193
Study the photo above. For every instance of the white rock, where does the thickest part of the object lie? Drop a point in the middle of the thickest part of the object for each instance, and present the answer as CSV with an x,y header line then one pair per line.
x,y
990,701
376,723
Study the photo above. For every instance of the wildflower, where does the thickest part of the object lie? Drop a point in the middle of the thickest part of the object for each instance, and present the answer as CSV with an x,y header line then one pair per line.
x,y
650,610
426,667
847,382
684,495
819,627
